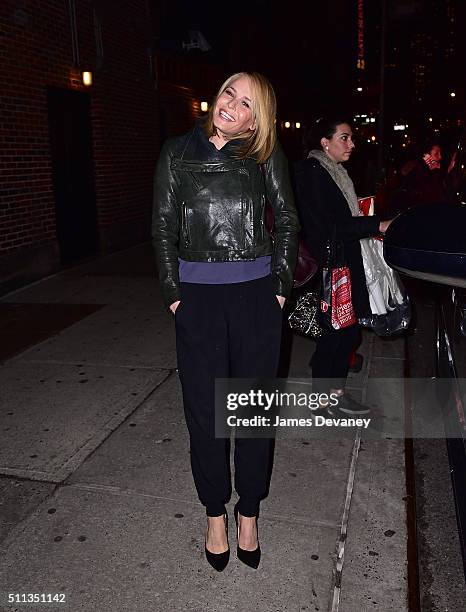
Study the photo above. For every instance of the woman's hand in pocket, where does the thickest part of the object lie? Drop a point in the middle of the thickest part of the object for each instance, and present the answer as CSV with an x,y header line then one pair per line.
x,y
281,300
174,306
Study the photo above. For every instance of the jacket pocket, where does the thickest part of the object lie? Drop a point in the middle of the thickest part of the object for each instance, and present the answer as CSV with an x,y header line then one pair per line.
x,y
262,218
184,225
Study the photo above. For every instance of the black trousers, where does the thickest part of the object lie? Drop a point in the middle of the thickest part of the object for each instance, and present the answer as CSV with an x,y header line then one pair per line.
x,y
224,331
330,359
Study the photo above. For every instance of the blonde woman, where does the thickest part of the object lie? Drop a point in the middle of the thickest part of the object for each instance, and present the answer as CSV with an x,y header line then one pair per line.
x,y
225,283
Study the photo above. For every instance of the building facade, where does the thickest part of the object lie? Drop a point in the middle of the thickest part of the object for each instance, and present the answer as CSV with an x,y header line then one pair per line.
x,y
76,161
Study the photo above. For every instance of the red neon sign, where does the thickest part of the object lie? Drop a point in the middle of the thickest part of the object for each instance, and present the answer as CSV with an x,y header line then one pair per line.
x,y
361,63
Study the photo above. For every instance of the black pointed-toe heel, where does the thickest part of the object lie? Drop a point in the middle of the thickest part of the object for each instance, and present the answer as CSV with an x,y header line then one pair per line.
x,y
218,561
251,558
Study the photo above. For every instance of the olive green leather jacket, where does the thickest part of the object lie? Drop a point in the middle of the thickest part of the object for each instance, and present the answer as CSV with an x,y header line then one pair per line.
x,y
210,206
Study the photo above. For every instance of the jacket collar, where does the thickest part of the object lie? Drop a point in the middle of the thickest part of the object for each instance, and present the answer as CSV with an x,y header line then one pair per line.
x,y
200,148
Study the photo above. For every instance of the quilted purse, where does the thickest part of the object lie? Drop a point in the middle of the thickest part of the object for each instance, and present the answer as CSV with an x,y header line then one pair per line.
x,y
303,318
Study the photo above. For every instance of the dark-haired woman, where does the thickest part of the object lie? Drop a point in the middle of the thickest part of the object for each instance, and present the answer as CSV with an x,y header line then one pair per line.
x,y
327,203
226,282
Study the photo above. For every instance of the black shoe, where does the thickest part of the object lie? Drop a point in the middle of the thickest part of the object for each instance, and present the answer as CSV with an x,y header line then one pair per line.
x,y
219,561
251,558
349,406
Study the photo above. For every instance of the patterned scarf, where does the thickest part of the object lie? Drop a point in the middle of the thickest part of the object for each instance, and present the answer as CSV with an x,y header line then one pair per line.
x,y
341,177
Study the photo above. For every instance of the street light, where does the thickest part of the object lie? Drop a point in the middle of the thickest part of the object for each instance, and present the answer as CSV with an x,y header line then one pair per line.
x,y
297,125
359,89
452,94
204,107
287,124
87,78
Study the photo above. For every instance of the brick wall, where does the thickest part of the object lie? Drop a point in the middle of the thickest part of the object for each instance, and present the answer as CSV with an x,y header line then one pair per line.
x,y
124,124
36,53
135,104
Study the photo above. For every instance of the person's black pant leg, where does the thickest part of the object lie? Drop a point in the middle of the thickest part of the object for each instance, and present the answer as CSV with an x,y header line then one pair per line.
x,y
254,327
201,344
331,356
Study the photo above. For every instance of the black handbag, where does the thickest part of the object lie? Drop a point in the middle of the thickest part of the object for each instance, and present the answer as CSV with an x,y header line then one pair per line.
x,y
303,318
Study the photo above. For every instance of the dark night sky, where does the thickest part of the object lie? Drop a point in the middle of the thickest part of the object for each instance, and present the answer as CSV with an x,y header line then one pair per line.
x,y
308,47
305,47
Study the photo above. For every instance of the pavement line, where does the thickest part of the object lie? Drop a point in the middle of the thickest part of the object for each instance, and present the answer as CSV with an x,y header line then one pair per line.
x,y
126,492
99,488
23,474
77,459
349,494
90,445
344,523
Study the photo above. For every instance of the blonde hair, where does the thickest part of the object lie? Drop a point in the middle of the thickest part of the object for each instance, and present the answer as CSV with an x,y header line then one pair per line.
x,y
261,141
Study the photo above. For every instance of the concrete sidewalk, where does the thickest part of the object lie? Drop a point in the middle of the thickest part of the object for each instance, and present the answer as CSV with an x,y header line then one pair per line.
x,y
97,495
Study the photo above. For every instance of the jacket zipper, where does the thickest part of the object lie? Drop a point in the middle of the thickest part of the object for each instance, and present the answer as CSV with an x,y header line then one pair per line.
x,y
184,224
262,215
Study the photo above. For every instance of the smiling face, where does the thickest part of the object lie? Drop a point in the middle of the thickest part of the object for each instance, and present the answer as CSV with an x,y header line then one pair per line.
x,y
340,146
233,113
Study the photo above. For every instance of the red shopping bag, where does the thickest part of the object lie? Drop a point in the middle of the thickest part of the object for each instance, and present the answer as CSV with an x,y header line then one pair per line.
x,y
336,304
366,205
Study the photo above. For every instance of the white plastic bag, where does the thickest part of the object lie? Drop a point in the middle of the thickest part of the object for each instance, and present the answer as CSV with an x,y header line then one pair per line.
x,y
391,311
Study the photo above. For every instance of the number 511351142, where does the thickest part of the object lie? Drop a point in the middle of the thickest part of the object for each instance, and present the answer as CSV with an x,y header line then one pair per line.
x,y
36,598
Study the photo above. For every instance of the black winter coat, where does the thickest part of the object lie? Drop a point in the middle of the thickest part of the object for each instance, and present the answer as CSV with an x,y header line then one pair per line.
x,y
321,207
